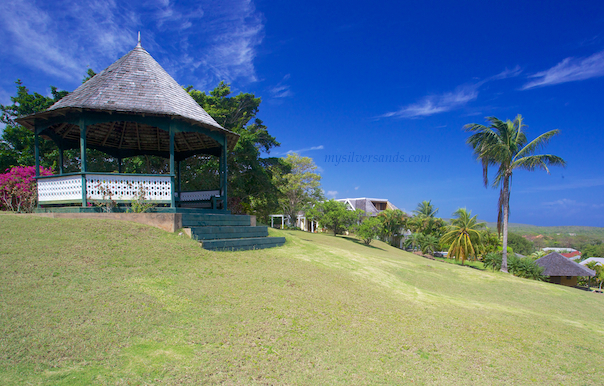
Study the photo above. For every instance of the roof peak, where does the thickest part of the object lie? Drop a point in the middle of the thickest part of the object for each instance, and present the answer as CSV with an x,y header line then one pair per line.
x,y
139,40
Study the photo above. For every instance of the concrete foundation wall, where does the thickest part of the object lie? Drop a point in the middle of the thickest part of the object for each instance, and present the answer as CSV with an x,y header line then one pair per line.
x,y
170,222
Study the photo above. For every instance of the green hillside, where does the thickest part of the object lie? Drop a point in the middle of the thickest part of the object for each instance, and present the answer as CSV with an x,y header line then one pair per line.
x,y
525,229
117,303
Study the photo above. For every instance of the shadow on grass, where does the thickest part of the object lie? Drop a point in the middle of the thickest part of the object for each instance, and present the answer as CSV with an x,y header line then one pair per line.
x,y
357,241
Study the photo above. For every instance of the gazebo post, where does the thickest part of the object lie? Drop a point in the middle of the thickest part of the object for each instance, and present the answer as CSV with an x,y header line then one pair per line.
x,y
60,160
172,169
82,125
224,173
178,179
37,152
119,165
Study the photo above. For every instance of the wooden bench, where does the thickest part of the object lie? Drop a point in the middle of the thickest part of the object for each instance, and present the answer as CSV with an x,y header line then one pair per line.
x,y
201,199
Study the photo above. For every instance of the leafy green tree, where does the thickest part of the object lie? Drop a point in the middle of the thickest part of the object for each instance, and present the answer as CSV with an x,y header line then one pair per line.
x,y
300,188
490,242
250,174
334,216
370,228
463,235
519,244
393,223
505,146
17,142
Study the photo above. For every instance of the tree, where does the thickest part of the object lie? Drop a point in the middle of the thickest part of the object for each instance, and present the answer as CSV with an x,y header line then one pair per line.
x,y
519,244
250,175
370,228
300,188
505,146
334,215
428,243
463,235
393,223
425,209
17,142
413,241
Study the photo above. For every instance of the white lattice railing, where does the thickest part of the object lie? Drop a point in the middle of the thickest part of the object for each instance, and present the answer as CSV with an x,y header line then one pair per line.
x,y
100,187
202,195
60,189
127,187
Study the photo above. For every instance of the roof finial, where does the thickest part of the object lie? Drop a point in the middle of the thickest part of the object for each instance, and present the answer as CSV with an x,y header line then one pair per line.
x,y
139,39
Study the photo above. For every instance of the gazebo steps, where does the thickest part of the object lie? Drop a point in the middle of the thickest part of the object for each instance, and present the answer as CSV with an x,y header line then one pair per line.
x,y
228,232
190,220
242,244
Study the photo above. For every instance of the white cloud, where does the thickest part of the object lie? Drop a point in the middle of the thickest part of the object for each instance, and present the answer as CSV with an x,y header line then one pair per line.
x,y
213,41
332,193
569,70
300,151
281,90
356,187
436,104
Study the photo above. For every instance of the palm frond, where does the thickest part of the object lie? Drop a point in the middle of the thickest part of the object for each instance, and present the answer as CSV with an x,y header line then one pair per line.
x,y
537,143
541,161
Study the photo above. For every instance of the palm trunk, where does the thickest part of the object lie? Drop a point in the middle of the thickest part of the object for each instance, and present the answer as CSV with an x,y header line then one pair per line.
x,y
506,209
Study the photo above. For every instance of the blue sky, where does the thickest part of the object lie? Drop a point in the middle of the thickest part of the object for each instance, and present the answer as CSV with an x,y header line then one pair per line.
x,y
375,79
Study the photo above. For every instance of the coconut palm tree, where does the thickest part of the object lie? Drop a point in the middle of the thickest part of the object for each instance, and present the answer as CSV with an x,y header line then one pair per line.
x,y
505,146
462,235
425,209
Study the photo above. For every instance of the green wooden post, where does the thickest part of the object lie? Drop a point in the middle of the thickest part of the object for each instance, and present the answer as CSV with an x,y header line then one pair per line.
x,y
172,171
82,125
60,160
37,152
225,172
119,165
178,180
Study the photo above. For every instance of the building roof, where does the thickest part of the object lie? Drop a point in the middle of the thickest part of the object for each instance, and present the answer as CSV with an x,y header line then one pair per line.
x,y
555,264
599,260
366,204
136,85
549,249
571,254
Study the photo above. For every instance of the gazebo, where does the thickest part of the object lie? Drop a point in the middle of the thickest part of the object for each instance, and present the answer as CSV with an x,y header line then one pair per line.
x,y
133,107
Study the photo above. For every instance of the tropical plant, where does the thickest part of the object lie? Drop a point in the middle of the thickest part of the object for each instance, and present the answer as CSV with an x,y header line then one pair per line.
x,y
412,241
393,223
425,209
18,188
462,235
428,243
505,146
370,228
524,267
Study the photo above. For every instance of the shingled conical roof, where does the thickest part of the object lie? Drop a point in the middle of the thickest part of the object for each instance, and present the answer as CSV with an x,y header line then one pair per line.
x,y
555,264
136,83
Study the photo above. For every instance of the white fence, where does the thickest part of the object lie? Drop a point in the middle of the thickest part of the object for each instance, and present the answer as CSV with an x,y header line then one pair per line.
x,y
100,187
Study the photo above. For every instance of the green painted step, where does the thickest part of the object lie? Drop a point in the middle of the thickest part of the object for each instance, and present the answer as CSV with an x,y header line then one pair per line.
x,y
190,220
228,232
242,244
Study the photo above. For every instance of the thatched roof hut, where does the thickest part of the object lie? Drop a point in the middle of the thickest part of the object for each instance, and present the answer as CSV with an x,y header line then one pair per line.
x,y
561,270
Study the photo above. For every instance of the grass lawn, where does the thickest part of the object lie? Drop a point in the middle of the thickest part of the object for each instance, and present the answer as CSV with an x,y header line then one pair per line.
x,y
117,303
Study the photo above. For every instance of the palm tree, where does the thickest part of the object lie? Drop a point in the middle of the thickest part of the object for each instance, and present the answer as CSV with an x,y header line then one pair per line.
x,y
425,209
462,235
504,145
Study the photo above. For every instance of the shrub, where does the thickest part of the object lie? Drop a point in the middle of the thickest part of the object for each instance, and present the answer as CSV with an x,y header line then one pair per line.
x,y
18,188
522,267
